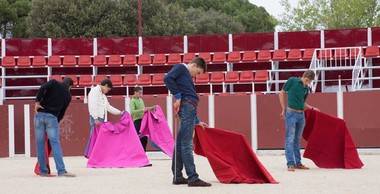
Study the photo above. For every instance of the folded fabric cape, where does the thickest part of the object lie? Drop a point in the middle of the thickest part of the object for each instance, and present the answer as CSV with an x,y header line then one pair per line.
x,y
116,145
47,154
329,143
156,128
230,156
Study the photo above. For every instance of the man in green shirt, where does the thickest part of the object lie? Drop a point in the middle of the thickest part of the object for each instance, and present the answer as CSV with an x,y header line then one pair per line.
x,y
137,111
297,90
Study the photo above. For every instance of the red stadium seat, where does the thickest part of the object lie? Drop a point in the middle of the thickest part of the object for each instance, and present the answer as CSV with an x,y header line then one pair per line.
x,y
69,60
56,77
206,57
202,78
294,55
54,61
130,60
246,76
232,77
158,79
188,57
249,56
117,80
85,60
100,60
24,61
144,79
308,54
39,61
174,58
261,76
145,59
219,57
264,55
372,51
217,77
159,59
8,61
279,55
326,54
114,60
130,79
85,80
98,79
234,57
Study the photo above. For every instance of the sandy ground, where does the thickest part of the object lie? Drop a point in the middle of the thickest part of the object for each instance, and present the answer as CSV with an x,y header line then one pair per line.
x,y
16,177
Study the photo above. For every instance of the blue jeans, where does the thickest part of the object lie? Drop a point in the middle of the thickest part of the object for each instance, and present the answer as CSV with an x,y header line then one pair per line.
x,y
183,152
92,127
294,124
48,123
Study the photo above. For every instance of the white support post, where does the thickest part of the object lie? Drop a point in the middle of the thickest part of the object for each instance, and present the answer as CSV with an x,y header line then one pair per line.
x,y
11,132
127,101
50,47
27,130
85,100
185,44
275,40
169,112
322,39
340,108
3,47
254,142
3,91
140,45
369,37
95,47
230,43
211,110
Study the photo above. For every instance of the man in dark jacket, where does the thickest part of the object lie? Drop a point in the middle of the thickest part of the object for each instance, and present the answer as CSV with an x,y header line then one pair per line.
x,y
52,100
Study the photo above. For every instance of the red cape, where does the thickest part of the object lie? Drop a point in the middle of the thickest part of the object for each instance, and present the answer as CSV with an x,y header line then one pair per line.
x,y
47,154
329,143
230,156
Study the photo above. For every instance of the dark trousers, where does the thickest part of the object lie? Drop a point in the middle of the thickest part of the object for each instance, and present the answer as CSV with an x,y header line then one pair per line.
x,y
143,140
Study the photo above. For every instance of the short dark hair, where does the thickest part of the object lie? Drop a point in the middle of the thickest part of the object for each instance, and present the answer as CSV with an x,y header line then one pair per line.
x,y
137,89
68,81
106,82
309,74
200,62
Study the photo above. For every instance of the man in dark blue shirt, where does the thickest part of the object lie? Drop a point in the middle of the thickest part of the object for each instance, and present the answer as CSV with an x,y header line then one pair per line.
x,y
180,83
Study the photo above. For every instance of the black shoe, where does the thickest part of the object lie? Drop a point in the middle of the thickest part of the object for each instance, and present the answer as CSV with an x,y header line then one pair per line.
x,y
199,183
180,181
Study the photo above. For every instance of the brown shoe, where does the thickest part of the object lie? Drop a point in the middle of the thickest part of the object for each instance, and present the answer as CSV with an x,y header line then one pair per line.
x,y
301,167
199,183
180,181
46,175
67,174
291,169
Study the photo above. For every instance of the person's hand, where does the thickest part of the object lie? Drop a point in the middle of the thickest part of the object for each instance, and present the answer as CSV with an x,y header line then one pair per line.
x,y
97,122
282,114
313,108
37,106
176,106
153,108
203,125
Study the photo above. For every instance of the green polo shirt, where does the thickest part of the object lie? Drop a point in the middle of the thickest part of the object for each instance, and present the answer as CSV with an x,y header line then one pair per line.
x,y
137,108
297,93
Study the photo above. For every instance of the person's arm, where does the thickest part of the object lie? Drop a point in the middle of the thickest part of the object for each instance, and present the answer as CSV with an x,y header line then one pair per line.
x,y
200,123
62,112
281,97
308,106
41,94
93,104
171,84
112,109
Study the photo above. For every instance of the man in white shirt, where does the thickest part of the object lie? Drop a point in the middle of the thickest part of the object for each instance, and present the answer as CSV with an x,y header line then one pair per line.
x,y
98,106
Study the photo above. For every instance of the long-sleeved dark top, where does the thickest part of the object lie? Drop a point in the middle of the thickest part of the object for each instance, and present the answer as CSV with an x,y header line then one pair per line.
x,y
54,97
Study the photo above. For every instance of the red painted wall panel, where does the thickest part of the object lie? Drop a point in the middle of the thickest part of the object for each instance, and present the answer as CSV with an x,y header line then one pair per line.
x,y
72,46
208,43
163,44
233,112
118,46
305,39
376,36
346,38
4,131
361,113
253,41
26,47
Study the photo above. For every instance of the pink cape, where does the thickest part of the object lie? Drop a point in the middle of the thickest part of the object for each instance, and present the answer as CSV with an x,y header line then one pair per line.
x,y
329,143
116,145
156,128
